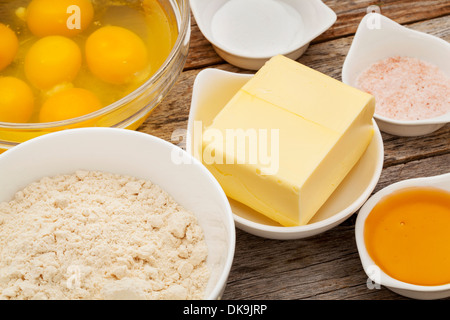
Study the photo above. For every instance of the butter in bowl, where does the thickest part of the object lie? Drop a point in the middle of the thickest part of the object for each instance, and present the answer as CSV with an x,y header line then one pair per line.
x,y
295,151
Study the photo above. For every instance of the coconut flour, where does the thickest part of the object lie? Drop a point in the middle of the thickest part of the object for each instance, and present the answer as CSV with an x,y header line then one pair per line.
x,y
95,235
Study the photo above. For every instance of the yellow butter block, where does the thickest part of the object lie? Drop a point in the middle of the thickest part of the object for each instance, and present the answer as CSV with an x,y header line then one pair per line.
x,y
287,139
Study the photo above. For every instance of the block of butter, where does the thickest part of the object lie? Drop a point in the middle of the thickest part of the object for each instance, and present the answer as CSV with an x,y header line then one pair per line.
x,y
287,139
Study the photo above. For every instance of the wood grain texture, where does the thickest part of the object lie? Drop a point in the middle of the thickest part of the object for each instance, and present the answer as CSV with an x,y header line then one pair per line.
x,y
325,266
349,14
327,57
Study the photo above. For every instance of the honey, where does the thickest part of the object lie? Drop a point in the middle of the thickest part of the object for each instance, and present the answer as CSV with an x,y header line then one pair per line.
x,y
407,235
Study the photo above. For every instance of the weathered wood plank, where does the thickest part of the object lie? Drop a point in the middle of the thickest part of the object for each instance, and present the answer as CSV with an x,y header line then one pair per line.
x,y
404,149
325,266
201,53
414,169
326,57
349,15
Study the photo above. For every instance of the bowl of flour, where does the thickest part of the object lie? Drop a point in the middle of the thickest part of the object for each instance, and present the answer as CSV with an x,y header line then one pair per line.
x,y
105,214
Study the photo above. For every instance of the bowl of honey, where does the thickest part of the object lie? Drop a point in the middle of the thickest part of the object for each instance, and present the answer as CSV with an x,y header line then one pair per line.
x,y
403,237
86,63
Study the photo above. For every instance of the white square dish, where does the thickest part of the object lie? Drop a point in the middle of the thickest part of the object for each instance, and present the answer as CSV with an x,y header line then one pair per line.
x,y
251,29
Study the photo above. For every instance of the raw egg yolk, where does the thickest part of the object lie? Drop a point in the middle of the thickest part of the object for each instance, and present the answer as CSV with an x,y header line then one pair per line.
x,y
115,54
9,44
51,61
16,100
69,103
59,17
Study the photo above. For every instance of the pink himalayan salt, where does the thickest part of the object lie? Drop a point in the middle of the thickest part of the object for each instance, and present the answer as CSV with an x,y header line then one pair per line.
x,y
407,88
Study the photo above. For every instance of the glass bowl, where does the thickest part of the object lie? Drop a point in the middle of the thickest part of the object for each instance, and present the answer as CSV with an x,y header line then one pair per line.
x,y
130,111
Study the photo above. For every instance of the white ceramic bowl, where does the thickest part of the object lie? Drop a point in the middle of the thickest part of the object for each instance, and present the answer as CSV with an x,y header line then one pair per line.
x,y
136,154
375,273
212,90
377,38
314,18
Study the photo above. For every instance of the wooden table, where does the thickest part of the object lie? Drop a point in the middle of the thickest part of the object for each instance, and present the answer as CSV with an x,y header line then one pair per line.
x,y
325,266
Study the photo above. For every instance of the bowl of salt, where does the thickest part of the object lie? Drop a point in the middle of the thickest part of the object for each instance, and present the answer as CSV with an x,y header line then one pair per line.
x,y
247,33
407,71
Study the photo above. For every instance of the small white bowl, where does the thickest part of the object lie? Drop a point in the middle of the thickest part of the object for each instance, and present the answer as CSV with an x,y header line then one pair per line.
x,y
139,155
378,38
310,18
375,273
211,91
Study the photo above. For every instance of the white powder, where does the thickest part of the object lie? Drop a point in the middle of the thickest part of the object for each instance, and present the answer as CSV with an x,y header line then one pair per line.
x,y
259,28
94,235
407,88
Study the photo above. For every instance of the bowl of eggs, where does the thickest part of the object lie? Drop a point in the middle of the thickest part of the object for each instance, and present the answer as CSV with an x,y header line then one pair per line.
x,y
86,63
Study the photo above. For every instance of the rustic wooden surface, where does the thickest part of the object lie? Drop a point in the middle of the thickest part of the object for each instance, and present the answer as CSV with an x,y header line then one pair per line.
x,y
325,266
